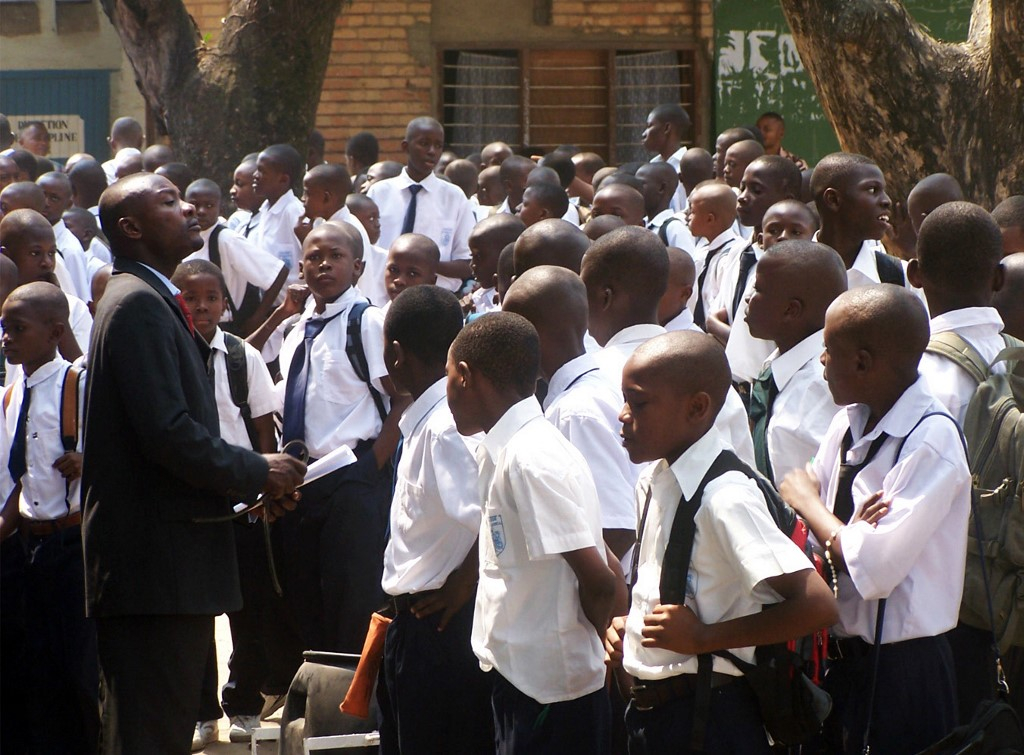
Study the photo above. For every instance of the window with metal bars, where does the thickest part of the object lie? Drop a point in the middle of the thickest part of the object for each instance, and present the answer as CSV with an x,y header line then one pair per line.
x,y
595,99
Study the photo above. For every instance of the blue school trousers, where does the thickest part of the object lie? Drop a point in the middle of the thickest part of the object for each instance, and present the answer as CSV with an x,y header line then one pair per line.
x,y
433,696
915,697
523,726
734,725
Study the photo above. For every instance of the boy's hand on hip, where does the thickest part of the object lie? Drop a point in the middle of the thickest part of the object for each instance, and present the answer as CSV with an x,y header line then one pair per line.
x,y
69,465
285,474
458,589
674,628
613,642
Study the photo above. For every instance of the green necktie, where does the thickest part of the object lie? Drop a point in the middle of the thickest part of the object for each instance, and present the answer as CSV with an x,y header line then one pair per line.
x,y
762,395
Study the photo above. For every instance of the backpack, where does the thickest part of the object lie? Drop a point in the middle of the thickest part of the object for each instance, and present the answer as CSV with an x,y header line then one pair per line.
x,y
663,231
250,299
357,354
994,427
889,269
238,384
785,675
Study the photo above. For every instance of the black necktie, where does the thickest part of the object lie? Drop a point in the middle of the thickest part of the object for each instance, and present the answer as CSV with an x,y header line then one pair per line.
x,y
250,225
699,318
747,260
843,508
294,420
762,397
410,214
211,370
17,463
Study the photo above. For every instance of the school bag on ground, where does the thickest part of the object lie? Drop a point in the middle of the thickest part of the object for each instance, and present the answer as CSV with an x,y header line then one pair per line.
x,y
994,427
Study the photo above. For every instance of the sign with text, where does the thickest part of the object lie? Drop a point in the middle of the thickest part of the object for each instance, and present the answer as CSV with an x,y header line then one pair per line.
x,y
67,132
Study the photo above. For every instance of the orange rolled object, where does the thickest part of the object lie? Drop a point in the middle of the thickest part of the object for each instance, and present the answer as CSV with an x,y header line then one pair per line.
x,y
360,691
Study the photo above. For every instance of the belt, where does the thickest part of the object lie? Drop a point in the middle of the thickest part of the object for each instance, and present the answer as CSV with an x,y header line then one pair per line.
x,y
650,693
404,602
52,526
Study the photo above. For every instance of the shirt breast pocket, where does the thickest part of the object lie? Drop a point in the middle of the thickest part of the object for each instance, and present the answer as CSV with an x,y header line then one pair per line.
x,y
337,381
406,494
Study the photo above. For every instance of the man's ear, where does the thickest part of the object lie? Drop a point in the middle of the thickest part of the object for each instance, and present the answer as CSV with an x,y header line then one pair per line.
x,y
865,360
914,273
699,406
462,369
129,227
831,199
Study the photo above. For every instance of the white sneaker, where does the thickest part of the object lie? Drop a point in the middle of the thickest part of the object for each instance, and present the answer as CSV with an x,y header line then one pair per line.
x,y
242,727
205,733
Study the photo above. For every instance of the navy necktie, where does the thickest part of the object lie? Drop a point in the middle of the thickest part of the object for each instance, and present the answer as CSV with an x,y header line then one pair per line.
x,y
410,214
843,507
747,260
17,463
762,396
294,422
699,317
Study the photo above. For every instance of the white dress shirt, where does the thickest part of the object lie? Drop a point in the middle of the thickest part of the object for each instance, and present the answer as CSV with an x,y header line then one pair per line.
x,y
262,399
443,214
865,267
539,502
728,245
620,347
950,383
371,282
44,492
435,514
803,409
682,321
242,263
678,234
339,408
915,555
71,250
585,408
276,232
737,546
484,300
745,352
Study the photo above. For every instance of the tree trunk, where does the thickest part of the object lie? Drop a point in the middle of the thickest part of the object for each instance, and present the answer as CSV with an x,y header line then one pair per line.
x,y
259,85
916,105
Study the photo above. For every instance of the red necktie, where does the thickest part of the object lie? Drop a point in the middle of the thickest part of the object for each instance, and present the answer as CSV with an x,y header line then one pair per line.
x,y
184,310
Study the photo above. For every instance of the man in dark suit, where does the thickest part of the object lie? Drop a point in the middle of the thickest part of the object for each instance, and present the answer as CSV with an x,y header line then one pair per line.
x,y
155,464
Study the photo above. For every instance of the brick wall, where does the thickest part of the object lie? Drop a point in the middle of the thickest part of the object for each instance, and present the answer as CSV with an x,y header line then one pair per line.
x,y
615,17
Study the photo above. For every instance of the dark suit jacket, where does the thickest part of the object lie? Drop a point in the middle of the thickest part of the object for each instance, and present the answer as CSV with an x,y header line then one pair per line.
x,y
154,461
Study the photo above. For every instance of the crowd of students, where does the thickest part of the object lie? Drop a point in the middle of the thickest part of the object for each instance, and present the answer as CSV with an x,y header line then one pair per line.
x,y
537,364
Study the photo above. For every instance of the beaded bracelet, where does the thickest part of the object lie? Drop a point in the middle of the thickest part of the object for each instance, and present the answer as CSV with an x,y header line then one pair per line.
x,y
828,557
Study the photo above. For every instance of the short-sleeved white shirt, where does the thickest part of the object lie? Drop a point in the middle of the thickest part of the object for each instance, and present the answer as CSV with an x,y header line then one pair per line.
x,y
539,502
242,263
371,282
435,513
261,398
74,260
443,214
737,547
682,321
915,555
585,408
276,231
484,300
339,408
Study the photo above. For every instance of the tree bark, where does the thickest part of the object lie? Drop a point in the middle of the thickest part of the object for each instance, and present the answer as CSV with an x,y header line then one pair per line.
x,y
914,104
259,85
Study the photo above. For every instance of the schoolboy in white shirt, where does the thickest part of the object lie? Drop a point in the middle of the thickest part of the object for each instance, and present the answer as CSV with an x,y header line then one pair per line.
x,y
418,201
674,386
791,407
57,198
666,127
888,495
430,562
278,169
546,590
710,215
673,312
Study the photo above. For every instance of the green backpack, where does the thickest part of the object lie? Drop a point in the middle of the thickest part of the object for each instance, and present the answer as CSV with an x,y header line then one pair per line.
x,y
994,427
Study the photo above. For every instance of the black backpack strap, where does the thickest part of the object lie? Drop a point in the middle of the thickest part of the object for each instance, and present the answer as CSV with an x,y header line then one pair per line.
x,y
357,354
213,247
889,269
238,384
663,231
960,432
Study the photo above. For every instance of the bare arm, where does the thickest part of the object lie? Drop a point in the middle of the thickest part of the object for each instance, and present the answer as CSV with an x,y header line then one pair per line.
x,y
266,303
9,514
293,302
457,590
597,585
619,541
455,269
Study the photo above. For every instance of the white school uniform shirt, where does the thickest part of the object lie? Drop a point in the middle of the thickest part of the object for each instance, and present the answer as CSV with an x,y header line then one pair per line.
x,y
572,215
915,555
803,409
746,353
100,252
682,321
585,408
371,282
242,263
865,267
81,327
539,502
484,300
339,408
44,493
443,214
238,220
728,245
262,398
435,513
679,198
950,383
276,232
110,169
678,234
71,250
737,546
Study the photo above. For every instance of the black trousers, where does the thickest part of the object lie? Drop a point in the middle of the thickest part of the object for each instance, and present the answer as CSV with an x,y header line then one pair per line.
x,y
523,726
734,725
60,646
915,698
333,551
151,670
14,728
432,695
975,664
